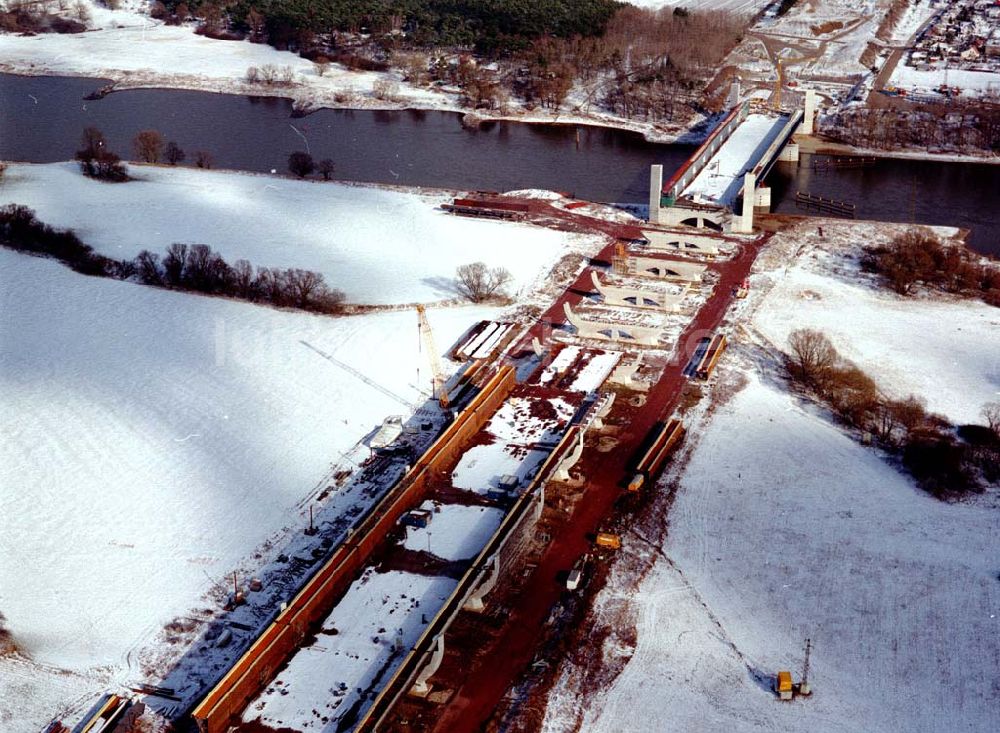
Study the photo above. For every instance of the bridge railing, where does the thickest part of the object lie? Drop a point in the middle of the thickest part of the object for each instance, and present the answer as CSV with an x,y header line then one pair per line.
x,y
680,180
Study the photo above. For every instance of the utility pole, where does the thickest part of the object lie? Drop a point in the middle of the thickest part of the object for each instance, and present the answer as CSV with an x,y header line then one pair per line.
x,y
804,686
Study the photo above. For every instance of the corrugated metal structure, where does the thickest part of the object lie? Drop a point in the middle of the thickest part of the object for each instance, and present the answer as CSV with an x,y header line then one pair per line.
x,y
254,670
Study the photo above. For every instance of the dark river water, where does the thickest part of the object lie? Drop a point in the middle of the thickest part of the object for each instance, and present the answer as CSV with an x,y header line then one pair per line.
x,y
41,119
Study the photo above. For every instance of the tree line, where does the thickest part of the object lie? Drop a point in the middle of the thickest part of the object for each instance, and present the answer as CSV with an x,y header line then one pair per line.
x,y
918,256
487,25
945,460
965,126
98,161
642,63
188,267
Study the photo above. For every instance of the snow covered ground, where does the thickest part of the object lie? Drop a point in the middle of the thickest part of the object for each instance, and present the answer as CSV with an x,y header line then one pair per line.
x,y
972,83
129,46
518,426
150,442
738,6
793,531
354,649
378,246
953,363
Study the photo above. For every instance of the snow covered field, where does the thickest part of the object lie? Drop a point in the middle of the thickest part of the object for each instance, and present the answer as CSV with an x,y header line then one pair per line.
x,y
150,442
793,530
972,83
129,46
953,363
376,245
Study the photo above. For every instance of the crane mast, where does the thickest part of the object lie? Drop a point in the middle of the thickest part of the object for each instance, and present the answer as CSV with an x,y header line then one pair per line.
x,y
427,339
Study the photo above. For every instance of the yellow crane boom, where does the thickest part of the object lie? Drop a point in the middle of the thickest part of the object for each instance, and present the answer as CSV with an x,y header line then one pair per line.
x,y
427,339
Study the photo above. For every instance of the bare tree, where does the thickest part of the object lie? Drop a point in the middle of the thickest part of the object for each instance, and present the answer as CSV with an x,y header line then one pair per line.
x,y
148,146
301,163
252,75
173,153
243,279
812,354
991,413
147,265
477,282
322,63
268,73
174,264
386,90
6,642
326,168
203,159
303,286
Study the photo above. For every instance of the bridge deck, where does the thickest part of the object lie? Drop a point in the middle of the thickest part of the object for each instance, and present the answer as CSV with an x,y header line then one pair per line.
x,y
722,179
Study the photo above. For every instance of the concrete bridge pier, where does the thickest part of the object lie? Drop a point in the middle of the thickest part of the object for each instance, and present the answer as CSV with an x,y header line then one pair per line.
x,y
655,190
743,224
562,470
421,686
476,600
809,113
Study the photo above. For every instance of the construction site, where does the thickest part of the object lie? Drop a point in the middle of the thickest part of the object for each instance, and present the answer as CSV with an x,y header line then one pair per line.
x,y
430,588
496,497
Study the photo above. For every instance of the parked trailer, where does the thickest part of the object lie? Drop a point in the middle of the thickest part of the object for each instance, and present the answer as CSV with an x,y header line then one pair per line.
x,y
711,357
665,441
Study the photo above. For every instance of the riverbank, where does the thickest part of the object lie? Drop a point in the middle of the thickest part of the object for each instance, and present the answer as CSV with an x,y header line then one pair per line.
x,y
819,146
141,53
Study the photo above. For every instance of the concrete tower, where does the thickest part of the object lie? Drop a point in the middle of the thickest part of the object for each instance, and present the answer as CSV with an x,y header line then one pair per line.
x,y
655,187
809,113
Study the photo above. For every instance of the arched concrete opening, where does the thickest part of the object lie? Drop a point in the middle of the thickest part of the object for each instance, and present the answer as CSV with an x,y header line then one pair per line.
x,y
702,222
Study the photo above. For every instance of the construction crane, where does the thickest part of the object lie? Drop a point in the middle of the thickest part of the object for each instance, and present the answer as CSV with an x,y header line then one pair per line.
x,y
355,373
427,341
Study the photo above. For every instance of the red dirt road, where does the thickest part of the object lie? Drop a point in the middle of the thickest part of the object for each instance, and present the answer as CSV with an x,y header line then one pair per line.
x,y
499,666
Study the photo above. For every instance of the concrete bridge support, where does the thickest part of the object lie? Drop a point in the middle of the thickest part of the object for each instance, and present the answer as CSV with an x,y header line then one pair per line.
x,y
655,187
682,241
475,602
809,113
562,470
744,223
632,297
421,686
619,333
671,270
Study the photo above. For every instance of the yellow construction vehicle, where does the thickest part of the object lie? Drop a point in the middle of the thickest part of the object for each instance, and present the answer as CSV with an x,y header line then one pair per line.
x,y
427,340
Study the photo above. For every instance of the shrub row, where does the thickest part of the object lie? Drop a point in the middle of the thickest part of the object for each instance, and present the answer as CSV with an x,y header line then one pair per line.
x,y
194,268
918,256
944,460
